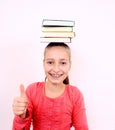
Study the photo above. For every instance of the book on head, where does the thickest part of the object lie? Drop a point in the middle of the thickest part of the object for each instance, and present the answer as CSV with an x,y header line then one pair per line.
x,y
57,29
58,34
52,22
55,39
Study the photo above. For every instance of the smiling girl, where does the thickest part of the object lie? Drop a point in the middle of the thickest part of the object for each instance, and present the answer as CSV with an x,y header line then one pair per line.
x,y
53,104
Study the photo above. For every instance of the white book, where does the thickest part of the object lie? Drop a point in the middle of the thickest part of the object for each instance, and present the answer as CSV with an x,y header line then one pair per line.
x,y
54,39
57,29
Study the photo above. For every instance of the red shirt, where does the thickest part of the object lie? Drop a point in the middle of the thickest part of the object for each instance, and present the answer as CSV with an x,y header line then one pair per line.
x,y
59,113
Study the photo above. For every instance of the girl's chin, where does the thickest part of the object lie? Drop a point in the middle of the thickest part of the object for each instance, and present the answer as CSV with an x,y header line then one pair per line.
x,y
55,81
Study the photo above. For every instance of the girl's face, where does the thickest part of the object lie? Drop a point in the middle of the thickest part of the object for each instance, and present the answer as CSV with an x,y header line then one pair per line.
x,y
56,64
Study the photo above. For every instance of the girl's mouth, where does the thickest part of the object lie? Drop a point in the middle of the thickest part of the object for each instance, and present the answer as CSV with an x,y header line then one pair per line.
x,y
56,75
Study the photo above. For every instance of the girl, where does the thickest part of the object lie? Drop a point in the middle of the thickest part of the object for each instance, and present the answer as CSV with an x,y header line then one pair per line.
x,y
53,104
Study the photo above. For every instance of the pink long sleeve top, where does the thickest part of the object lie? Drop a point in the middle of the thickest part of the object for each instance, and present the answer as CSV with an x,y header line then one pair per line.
x,y
60,113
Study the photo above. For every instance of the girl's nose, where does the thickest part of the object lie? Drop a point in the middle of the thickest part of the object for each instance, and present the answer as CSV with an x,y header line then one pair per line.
x,y
56,67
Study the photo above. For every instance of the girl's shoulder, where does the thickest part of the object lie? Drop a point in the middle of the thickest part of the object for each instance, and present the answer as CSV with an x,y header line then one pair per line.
x,y
74,92
73,89
35,87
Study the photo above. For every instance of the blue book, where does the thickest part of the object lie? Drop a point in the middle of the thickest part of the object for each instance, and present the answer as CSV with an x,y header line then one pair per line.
x,y
57,23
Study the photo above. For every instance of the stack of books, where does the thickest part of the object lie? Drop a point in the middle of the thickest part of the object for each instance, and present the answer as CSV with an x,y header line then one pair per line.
x,y
57,30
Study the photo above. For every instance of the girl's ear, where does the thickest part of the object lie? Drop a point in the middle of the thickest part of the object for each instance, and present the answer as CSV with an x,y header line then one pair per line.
x,y
70,65
43,62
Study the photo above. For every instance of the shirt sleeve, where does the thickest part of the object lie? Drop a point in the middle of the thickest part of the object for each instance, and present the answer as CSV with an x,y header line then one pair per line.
x,y
79,112
24,124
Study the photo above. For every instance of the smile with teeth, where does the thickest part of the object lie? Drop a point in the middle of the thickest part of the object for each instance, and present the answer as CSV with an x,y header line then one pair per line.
x,y
56,75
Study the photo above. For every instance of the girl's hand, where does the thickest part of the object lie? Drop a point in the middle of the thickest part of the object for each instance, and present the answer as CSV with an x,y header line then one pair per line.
x,y
20,103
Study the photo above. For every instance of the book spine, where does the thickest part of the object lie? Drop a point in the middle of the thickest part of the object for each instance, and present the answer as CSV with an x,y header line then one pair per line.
x,y
57,29
57,23
55,39
59,34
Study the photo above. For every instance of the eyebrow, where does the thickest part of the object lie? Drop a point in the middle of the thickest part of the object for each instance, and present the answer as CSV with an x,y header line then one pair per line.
x,y
54,59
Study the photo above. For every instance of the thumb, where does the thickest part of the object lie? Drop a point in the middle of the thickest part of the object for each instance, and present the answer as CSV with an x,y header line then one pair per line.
x,y
22,91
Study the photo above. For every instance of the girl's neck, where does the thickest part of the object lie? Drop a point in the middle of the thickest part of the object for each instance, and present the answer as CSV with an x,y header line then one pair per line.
x,y
54,90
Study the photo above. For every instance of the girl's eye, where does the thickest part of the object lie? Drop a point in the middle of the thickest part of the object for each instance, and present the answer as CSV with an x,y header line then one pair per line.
x,y
63,63
50,62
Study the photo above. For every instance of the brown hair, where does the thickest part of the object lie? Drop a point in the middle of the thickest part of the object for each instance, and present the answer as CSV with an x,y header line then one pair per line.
x,y
61,44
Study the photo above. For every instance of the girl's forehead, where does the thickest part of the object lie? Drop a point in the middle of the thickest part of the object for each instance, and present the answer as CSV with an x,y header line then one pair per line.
x,y
57,53
57,50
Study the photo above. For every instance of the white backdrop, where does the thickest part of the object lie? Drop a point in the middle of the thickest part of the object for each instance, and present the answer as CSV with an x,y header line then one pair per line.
x,y
93,62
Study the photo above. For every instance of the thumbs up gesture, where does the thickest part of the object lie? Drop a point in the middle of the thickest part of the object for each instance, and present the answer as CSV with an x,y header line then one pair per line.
x,y
20,103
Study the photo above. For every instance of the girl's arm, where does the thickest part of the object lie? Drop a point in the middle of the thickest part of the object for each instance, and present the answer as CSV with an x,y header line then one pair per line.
x,y
79,113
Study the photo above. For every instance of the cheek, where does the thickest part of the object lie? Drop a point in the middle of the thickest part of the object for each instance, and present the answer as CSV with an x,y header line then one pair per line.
x,y
66,70
46,68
